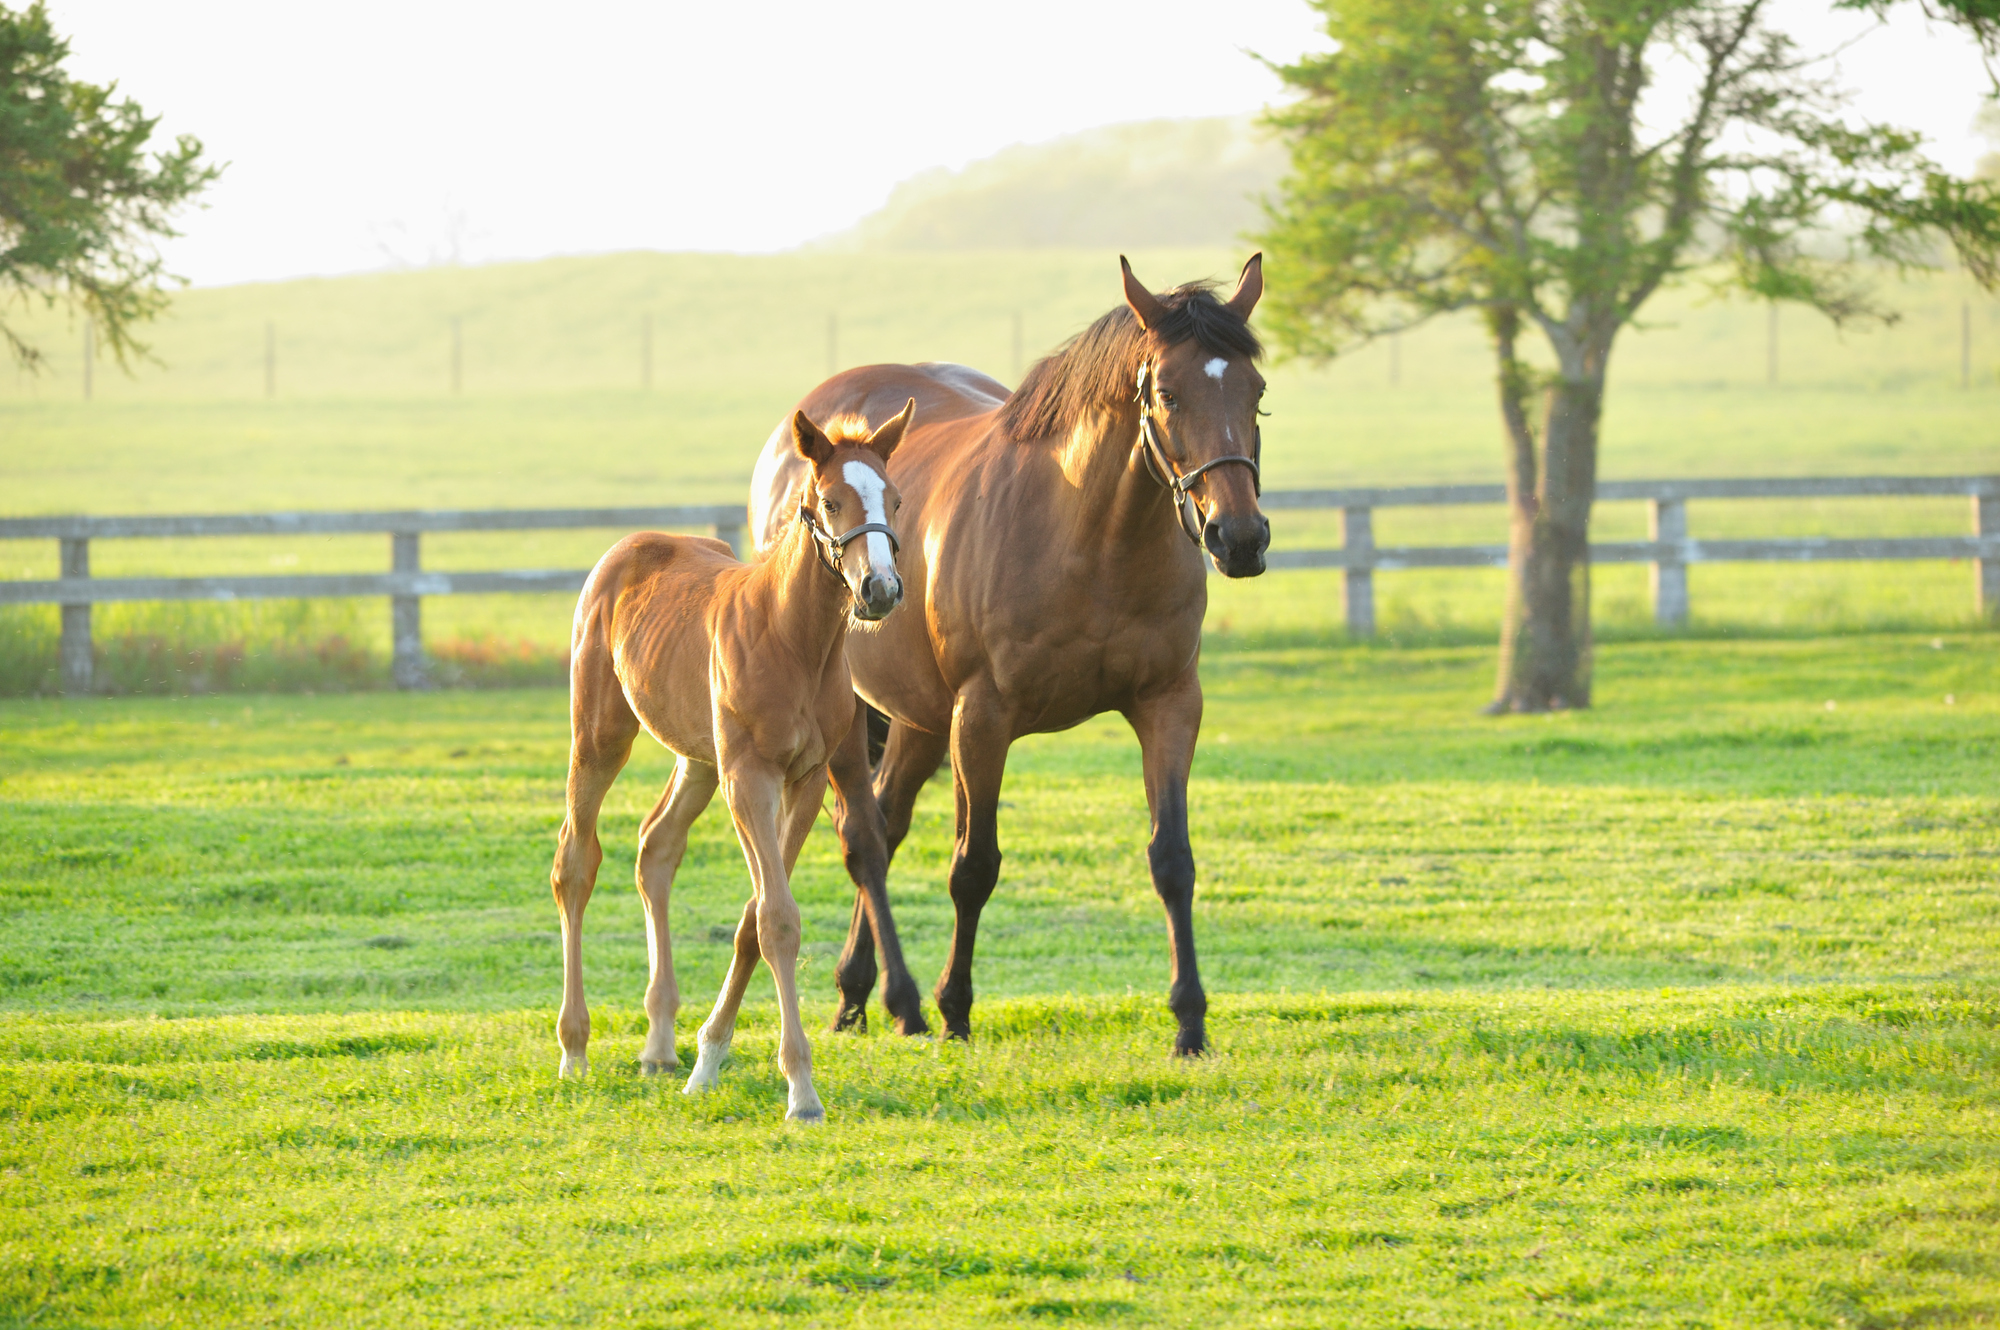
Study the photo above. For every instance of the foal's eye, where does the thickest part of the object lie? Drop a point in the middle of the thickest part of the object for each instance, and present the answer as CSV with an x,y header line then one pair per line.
x,y
1166,399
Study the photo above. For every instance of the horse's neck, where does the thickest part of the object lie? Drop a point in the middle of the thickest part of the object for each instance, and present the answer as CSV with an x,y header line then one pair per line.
x,y
806,605
1120,506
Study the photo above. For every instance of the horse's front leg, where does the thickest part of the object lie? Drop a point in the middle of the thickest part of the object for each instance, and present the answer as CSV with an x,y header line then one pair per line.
x,y
759,803
980,736
1167,725
872,814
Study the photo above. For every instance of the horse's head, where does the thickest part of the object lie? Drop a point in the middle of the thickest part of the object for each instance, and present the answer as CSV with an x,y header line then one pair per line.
x,y
848,511
1198,390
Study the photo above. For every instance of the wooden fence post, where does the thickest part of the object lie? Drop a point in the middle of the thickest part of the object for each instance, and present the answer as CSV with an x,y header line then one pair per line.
x,y
1358,530
732,535
1986,568
77,665
1670,574
406,616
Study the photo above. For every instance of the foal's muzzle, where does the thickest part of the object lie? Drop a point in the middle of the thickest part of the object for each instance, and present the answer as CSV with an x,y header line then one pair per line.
x,y
877,595
1237,543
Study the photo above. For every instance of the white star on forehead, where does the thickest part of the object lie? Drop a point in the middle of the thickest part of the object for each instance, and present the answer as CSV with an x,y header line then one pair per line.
x,y
1215,367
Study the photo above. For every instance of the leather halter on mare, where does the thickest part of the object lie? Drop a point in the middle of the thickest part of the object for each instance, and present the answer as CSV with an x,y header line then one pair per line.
x,y
830,547
1174,480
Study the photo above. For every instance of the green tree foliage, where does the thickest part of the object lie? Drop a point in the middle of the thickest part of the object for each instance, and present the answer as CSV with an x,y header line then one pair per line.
x,y
81,200
1491,155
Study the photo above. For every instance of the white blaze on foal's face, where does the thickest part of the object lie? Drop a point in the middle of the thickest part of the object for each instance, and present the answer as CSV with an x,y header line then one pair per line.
x,y
868,483
1215,368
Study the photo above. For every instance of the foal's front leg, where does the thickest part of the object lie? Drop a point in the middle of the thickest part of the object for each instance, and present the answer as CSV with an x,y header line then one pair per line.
x,y
758,804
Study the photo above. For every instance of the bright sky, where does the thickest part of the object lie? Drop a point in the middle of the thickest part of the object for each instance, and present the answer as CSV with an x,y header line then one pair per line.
x,y
378,132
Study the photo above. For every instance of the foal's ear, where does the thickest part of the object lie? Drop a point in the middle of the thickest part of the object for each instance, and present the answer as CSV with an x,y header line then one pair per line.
x,y
1249,288
812,443
884,440
1143,302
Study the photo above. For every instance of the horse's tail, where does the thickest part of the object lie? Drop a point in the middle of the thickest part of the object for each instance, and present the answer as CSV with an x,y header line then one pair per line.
x,y
878,735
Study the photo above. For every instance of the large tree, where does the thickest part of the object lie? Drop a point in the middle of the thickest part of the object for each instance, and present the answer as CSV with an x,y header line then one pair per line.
x,y
1491,155
81,200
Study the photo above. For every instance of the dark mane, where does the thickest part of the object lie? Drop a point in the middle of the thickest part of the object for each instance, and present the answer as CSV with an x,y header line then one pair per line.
x,y
1098,366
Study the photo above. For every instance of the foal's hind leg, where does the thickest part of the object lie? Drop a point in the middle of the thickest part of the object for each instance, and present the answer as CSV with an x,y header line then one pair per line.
x,y
872,819
662,841
712,1042
602,728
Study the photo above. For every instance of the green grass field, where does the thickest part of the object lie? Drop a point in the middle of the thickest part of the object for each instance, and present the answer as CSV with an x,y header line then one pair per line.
x,y
1679,1012
552,413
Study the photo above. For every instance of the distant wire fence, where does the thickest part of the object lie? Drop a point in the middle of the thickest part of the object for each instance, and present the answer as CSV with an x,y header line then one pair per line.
x,y
1670,551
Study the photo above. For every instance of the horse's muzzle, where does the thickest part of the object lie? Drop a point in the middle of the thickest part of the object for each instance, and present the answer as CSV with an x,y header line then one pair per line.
x,y
878,594
1237,543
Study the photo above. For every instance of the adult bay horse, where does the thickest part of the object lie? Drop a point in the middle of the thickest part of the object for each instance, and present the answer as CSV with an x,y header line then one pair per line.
x,y
1054,545
741,671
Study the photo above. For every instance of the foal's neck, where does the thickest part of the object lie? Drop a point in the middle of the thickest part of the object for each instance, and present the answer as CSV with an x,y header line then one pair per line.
x,y
807,603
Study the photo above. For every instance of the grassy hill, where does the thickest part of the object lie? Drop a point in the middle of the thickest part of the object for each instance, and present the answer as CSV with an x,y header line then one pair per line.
x,y
553,410
1149,183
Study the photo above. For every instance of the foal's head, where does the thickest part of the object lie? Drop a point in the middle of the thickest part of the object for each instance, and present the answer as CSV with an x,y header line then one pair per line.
x,y
1201,388
852,504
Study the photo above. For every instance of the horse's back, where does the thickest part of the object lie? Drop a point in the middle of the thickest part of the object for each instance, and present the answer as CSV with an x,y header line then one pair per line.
x,y
943,391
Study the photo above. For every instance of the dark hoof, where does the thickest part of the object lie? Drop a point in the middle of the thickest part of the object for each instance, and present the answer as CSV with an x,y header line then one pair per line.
x,y
851,1017
913,1025
1190,1044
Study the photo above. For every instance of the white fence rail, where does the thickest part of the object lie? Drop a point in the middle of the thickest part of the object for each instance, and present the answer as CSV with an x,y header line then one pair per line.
x,y
1670,551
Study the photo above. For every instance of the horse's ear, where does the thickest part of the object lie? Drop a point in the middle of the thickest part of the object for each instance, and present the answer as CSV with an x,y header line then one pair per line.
x,y
1249,288
813,445
884,440
1143,302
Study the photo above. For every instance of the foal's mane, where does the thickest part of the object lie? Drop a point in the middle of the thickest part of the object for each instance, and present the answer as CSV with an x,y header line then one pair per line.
x,y
1099,365
846,428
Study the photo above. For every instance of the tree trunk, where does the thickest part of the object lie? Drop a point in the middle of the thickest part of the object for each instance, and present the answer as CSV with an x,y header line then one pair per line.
x,y
1545,651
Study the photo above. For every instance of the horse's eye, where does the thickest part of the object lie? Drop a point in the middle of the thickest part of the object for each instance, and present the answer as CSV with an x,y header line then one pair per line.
x,y
832,505
1166,399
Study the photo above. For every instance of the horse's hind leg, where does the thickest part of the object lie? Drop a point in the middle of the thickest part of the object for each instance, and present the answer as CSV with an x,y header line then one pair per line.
x,y
979,740
602,728
662,842
872,819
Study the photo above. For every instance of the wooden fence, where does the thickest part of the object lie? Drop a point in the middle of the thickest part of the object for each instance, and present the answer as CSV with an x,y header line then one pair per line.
x,y
1670,550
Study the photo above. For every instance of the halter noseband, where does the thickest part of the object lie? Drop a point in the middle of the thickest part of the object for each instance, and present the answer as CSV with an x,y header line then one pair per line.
x,y
1177,482
830,547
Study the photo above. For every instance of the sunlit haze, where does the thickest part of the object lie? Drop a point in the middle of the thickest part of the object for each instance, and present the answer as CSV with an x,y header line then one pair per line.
x,y
375,134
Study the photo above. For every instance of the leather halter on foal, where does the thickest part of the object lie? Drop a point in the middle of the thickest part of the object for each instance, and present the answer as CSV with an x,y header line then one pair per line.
x,y
830,547
1175,480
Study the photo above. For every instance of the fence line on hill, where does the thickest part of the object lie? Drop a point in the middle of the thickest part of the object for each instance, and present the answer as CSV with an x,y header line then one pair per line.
x,y
1669,551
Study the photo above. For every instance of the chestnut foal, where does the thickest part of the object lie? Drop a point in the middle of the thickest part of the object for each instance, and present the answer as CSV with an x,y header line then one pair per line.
x,y
740,669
